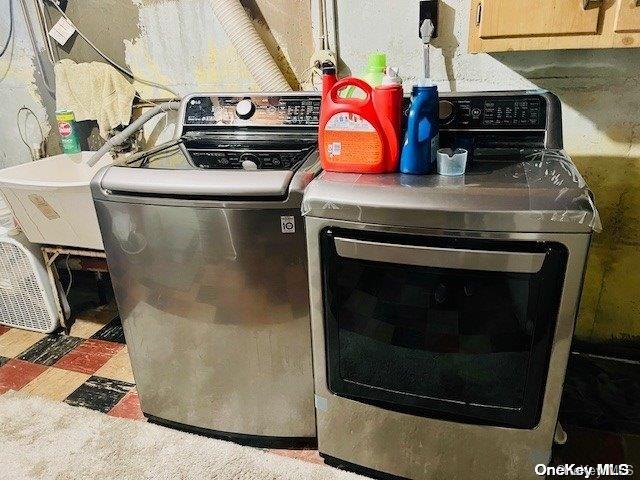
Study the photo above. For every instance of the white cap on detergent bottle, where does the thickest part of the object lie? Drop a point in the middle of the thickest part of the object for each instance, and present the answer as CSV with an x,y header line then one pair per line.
x,y
426,82
391,77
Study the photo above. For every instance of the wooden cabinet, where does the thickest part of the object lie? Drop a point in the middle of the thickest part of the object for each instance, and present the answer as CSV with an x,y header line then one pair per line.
x,y
517,18
628,17
503,25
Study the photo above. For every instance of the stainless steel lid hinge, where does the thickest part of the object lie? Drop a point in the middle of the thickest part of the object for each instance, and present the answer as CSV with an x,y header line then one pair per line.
x,y
479,14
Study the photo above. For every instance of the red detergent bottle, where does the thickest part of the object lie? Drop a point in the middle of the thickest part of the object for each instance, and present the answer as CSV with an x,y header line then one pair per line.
x,y
359,135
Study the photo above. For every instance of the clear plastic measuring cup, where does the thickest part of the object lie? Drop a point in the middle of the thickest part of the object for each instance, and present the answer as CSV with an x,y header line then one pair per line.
x,y
452,162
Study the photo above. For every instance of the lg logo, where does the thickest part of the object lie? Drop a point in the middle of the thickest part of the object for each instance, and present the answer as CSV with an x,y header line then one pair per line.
x,y
288,224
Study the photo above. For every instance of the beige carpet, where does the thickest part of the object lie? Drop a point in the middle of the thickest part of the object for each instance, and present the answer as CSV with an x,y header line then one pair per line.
x,y
41,439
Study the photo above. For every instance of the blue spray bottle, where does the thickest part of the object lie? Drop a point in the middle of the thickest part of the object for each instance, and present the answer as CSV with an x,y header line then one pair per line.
x,y
421,141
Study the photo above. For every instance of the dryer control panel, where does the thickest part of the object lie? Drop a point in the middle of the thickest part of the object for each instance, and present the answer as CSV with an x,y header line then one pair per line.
x,y
523,119
493,112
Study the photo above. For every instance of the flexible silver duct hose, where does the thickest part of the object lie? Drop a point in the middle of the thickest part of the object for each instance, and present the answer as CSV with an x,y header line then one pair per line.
x,y
250,47
131,129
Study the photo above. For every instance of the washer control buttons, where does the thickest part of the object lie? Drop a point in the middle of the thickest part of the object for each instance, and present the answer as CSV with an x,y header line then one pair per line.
x,y
248,160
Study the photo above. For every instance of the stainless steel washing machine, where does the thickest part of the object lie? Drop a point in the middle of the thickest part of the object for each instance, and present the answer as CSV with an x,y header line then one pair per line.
x,y
206,251
443,308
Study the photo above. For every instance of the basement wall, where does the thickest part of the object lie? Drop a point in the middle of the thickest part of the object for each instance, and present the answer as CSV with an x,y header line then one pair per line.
x,y
600,94
21,86
180,43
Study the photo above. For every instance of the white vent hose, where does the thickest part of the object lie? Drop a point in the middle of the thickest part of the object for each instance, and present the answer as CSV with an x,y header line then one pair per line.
x,y
250,47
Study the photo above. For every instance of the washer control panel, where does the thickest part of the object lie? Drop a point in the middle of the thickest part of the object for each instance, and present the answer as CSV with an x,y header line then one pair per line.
x,y
253,110
221,159
521,112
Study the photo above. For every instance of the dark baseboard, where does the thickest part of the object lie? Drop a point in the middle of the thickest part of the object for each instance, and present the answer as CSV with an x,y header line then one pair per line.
x,y
359,469
258,441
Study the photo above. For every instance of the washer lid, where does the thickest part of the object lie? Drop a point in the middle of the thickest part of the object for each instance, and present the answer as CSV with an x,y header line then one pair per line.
x,y
196,183
538,192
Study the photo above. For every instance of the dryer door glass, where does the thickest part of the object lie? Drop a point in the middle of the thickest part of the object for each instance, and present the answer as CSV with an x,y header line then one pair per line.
x,y
439,326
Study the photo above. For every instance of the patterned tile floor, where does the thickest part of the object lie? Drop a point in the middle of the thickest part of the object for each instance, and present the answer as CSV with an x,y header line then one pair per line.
x,y
90,368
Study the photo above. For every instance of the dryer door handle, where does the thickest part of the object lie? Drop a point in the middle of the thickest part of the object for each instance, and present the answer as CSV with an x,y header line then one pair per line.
x,y
436,257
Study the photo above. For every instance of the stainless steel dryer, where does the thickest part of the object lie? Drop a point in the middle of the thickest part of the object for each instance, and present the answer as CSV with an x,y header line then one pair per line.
x,y
442,308
206,251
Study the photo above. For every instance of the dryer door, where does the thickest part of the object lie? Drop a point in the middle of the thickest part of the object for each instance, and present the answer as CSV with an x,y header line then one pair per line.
x,y
441,327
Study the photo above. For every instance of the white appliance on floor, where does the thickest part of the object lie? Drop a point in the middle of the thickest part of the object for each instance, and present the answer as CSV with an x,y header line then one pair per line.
x,y
26,296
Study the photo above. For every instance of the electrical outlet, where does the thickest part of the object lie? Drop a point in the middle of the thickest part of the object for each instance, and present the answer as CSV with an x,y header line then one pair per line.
x,y
313,79
429,10
321,56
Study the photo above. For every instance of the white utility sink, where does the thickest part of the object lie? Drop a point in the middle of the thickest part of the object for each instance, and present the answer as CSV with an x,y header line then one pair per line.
x,y
52,201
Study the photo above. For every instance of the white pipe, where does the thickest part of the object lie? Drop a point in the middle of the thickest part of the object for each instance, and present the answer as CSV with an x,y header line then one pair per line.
x,y
131,129
324,25
44,29
250,47
331,26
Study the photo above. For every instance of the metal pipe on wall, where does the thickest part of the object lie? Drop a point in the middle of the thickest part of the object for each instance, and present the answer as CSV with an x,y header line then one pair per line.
x,y
324,22
36,49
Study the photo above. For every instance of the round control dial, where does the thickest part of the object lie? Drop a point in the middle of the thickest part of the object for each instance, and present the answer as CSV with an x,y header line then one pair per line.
x,y
446,111
245,109
249,161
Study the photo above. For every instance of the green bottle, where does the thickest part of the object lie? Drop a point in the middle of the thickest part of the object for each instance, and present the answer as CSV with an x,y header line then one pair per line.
x,y
68,131
373,74
376,66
